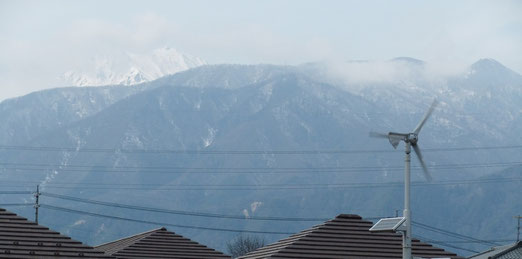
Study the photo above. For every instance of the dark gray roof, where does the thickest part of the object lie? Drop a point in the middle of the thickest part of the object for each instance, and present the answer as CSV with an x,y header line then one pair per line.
x,y
158,243
346,236
21,238
512,251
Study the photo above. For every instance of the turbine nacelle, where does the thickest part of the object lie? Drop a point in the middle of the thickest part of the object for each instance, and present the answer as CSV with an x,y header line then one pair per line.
x,y
395,138
410,139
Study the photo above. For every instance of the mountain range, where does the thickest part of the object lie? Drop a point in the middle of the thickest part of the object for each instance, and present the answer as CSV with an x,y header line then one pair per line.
x,y
266,140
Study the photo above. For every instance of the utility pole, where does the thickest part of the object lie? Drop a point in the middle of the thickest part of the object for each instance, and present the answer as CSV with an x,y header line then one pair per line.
x,y
518,227
36,203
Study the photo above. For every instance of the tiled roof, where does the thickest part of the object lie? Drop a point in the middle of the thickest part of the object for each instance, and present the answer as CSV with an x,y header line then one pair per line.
x,y
158,243
21,238
345,237
512,251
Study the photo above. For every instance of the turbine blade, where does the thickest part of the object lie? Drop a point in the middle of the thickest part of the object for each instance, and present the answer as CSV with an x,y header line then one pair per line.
x,y
421,160
378,135
426,116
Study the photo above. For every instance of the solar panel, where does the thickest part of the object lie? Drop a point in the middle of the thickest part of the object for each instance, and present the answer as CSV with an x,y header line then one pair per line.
x,y
388,224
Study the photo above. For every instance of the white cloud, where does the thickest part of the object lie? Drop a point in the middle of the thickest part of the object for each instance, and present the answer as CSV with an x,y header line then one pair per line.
x,y
255,205
370,71
45,39
150,28
74,46
356,75
79,222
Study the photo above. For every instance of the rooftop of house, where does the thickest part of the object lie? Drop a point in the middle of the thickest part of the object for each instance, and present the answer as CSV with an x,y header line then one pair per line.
x,y
346,236
21,238
158,243
511,251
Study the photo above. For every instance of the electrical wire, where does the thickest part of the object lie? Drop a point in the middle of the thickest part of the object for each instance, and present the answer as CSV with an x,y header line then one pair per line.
x,y
177,212
473,242
222,216
467,239
235,152
267,187
442,243
223,171
15,192
449,182
15,204
160,223
176,168
190,152
453,234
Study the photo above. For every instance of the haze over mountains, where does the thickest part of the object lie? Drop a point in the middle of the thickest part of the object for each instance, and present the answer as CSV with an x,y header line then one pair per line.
x,y
246,127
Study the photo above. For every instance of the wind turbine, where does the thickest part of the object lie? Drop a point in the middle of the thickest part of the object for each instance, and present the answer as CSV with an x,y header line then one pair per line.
x,y
411,140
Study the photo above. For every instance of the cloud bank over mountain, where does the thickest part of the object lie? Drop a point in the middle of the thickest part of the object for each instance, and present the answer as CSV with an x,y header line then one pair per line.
x,y
43,40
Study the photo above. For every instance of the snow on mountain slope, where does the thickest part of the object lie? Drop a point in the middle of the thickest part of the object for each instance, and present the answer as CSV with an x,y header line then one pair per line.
x,y
130,68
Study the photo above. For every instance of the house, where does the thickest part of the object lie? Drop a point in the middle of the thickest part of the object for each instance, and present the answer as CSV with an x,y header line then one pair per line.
x,y
21,238
158,243
512,251
346,236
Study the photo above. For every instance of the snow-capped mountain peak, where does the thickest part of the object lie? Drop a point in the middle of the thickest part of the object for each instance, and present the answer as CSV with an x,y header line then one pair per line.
x,y
130,68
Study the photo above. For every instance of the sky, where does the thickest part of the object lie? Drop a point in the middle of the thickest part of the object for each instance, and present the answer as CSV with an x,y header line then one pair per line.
x,y
40,40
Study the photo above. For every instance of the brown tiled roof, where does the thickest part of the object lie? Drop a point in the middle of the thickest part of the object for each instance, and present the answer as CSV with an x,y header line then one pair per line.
x,y
346,237
21,238
511,251
158,243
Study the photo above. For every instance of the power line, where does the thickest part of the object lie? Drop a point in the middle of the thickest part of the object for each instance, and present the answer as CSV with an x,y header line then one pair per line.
x,y
453,234
213,215
15,204
189,152
218,171
447,182
209,228
174,168
160,223
428,240
420,183
177,212
203,228
371,185
171,168
234,152
267,187
473,242
15,192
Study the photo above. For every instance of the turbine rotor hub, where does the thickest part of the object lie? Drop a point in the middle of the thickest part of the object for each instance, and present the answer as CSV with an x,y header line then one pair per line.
x,y
412,138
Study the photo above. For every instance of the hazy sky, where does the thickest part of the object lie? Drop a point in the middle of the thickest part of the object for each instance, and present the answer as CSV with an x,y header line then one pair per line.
x,y
39,40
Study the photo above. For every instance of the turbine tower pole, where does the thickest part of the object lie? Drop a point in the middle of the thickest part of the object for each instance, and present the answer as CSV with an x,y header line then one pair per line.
x,y
411,141
406,236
